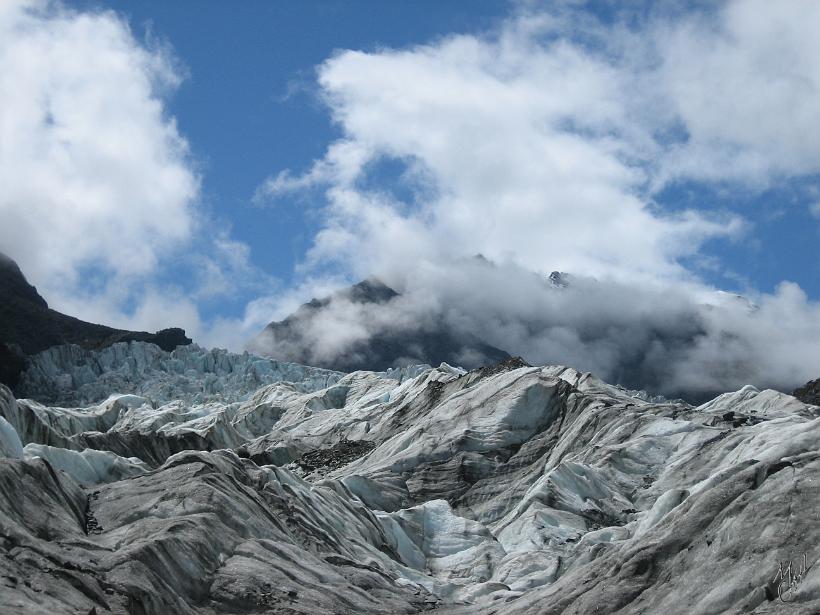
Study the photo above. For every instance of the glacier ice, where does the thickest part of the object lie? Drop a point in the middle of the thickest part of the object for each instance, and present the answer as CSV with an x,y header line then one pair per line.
x,y
203,482
10,444
88,467
71,375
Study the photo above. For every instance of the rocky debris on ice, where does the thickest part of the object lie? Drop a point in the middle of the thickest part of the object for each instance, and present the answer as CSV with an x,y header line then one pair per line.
x,y
513,489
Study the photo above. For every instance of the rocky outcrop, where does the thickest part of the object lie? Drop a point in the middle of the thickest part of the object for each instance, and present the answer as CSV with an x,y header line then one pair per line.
x,y
809,393
512,489
12,364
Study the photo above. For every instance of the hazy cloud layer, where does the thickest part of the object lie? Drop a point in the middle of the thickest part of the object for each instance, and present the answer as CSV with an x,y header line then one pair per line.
x,y
542,146
682,340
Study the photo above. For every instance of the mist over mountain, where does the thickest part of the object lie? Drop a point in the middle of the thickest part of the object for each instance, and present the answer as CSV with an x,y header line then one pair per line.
x,y
680,340
474,312
352,330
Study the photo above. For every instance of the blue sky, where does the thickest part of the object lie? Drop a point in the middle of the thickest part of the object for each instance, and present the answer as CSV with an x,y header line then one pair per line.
x,y
781,242
250,105
214,164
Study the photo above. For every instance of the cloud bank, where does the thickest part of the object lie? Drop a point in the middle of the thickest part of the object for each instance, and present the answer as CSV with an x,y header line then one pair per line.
x,y
544,146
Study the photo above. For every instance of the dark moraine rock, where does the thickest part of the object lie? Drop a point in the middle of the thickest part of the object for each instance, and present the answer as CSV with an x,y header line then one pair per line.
x,y
809,393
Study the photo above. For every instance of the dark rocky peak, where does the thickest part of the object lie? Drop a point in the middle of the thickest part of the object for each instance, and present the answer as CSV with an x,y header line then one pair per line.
x,y
14,284
365,292
391,345
370,291
809,393
559,279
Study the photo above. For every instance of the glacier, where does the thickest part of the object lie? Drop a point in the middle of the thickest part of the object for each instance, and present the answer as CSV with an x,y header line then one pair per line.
x,y
136,480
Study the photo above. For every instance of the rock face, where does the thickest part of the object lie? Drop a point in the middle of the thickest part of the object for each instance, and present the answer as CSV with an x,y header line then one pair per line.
x,y
809,393
389,344
28,326
512,489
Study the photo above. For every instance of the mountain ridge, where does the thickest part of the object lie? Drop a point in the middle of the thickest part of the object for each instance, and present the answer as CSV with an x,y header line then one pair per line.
x,y
28,326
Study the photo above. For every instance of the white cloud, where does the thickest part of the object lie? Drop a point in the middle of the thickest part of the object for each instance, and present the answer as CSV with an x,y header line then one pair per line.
x,y
522,146
226,269
92,169
544,146
745,83
99,198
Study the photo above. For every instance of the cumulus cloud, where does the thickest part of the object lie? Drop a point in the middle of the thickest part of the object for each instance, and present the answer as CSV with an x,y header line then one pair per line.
x,y
745,85
524,145
92,170
100,191
544,145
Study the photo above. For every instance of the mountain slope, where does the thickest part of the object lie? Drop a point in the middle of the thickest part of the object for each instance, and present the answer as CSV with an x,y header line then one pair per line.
x,y
302,336
28,326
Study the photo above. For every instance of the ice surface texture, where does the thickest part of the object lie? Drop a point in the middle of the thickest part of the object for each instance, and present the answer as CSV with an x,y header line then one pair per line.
x,y
209,483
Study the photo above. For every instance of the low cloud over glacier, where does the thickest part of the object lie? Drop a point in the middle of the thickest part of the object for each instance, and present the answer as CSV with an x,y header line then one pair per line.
x,y
681,340
544,145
